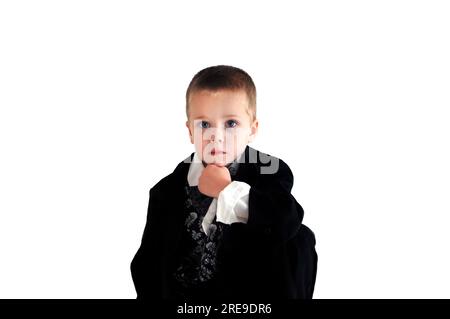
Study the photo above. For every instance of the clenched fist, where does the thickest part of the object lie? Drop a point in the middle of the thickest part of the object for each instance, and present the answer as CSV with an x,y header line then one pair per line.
x,y
213,180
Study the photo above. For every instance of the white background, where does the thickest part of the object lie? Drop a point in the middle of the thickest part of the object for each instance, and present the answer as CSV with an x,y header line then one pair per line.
x,y
353,95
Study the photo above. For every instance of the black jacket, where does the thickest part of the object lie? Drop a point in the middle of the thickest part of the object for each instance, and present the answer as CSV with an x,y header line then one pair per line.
x,y
272,256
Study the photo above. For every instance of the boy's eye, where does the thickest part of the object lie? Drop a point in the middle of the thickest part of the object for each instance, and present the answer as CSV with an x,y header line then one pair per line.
x,y
231,123
204,124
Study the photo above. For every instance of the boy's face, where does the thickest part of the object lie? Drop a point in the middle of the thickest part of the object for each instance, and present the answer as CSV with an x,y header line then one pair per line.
x,y
219,125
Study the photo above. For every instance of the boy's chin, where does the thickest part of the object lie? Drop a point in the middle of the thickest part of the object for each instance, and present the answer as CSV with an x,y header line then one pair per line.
x,y
219,160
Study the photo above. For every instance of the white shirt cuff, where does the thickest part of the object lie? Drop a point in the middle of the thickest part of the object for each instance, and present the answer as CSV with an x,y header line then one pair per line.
x,y
232,203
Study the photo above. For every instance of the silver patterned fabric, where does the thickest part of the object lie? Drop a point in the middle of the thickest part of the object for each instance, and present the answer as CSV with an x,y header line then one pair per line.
x,y
198,264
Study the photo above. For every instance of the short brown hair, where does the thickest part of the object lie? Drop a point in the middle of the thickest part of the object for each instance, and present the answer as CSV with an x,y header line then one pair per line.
x,y
223,77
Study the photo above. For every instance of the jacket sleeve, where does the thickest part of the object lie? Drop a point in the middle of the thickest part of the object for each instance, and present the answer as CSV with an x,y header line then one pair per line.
x,y
146,266
266,256
274,213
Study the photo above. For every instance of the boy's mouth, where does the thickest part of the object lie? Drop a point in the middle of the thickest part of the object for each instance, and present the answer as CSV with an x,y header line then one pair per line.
x,y
217,152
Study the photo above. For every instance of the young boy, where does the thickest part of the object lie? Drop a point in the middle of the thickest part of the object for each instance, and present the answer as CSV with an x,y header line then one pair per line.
x,y
224,223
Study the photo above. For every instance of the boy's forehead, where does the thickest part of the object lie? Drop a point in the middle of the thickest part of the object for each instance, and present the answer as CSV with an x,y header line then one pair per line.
x,y
205,101
218,94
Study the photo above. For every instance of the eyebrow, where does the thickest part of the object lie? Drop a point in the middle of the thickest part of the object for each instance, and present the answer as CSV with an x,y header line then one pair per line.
x,y
205,117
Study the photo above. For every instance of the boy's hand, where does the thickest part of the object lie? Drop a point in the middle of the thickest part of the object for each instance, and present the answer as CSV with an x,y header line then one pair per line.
x,y
213,179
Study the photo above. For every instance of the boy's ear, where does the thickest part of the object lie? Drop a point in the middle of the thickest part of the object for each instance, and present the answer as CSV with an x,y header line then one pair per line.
x,y
190,133
254,131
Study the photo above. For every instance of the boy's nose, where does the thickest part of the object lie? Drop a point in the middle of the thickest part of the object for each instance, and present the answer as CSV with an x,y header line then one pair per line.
x,y
215,140
218,139
216,135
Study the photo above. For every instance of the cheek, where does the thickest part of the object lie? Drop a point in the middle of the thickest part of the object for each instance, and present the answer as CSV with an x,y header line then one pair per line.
x,y
237,141
198,140
204,146
241,136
